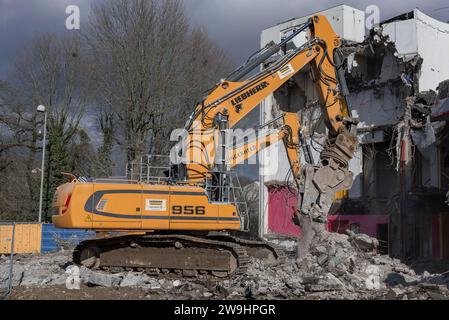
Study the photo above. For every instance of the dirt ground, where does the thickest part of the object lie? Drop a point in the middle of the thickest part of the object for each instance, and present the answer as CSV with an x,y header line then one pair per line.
x,y
338,267
85,293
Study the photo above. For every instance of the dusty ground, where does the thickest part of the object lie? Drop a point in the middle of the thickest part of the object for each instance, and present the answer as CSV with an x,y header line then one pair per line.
x,y
60,292
338,267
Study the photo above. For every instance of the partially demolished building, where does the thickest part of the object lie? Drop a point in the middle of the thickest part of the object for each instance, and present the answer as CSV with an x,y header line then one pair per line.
x,y
396,74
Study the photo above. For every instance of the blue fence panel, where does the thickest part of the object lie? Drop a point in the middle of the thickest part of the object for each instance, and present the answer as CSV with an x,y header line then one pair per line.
x,y
53,238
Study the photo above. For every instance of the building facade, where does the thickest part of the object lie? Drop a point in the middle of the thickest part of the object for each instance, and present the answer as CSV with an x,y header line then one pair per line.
x,y
395,73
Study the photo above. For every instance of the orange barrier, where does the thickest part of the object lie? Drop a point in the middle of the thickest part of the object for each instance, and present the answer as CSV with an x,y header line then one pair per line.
x,y
27,238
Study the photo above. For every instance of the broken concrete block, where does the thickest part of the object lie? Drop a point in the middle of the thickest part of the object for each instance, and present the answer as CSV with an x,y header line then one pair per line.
x,y
425,274
133,279
363,241
33,277
322,259
443,89
322,287
328,283
220,289
103,279
436,296
401,269
85,273
432,287
320,249
293,283
372,281
17,278
233,295
176,283
394,294
58,280
189,273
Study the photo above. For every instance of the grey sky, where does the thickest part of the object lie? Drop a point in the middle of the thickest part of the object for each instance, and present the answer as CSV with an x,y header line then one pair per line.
x,y
234,24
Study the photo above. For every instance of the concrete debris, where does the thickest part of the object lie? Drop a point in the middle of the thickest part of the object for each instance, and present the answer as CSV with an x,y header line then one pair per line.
x,y
251,196
345,267
103,279
338,266
362,241
132,279
443,89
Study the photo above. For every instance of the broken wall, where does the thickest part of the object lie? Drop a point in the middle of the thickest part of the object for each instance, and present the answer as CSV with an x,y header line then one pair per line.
x,y
398,59
426,37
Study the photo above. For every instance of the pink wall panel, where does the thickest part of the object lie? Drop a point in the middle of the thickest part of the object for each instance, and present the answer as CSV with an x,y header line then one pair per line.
x,y
282,204
281,208
368,223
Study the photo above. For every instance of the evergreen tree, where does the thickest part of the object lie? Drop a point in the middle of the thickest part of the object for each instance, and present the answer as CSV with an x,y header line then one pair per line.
x,y
103,162
82,155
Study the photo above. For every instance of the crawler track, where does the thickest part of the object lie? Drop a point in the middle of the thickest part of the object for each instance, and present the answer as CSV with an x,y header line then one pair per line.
x,y
263,250
219,255
181,254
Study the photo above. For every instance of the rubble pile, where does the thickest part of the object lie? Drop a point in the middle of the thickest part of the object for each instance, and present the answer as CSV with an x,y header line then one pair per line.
x,y
345,267
36,270
337,267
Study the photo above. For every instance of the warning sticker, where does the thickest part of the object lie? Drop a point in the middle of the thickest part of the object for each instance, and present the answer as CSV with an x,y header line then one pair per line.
x,y
286,71
155,205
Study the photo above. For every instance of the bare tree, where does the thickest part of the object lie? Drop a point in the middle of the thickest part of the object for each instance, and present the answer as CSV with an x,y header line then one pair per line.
x,y
150,65
50,71
144,67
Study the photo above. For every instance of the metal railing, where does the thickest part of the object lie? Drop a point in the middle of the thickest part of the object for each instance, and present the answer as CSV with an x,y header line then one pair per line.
x,y
156,169
11,265
150,169
123,180
230,192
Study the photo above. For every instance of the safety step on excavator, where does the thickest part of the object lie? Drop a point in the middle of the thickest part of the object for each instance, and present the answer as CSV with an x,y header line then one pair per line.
x,y
191,221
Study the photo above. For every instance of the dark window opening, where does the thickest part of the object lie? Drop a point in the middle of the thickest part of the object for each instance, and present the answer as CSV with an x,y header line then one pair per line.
x,y
382,236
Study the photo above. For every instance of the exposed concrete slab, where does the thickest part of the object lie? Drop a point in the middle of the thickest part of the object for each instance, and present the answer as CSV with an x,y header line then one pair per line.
x,y
426,37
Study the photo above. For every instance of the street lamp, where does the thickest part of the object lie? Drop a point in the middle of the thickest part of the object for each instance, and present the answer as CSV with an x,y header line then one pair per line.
x,y
41,108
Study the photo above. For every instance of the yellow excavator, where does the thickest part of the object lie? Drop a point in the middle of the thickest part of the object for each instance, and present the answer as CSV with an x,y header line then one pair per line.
x,y
189,222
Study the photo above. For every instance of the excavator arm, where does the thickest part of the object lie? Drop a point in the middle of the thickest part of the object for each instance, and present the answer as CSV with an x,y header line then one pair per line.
x,y
285,132
231,101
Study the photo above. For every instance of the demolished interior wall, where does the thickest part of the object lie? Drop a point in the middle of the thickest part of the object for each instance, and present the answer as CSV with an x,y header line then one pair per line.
x,y
393,63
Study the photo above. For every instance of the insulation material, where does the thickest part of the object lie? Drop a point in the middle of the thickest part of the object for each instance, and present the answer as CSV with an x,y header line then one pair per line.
x,y
356,167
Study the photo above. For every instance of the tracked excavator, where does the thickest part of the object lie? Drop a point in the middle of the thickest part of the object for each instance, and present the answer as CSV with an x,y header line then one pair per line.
x,y
192,221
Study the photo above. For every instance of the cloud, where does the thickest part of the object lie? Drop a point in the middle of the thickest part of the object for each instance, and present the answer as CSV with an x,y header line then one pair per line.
x,y
234,24
21,20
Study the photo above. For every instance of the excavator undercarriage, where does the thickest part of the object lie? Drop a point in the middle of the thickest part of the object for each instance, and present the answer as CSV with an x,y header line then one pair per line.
x,y
216,254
